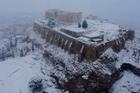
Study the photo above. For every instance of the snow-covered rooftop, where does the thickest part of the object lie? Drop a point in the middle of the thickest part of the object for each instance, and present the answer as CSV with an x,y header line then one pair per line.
x,y
96,28
93,34
95,25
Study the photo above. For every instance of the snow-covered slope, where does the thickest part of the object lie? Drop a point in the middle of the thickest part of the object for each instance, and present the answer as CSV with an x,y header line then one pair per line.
x,y
137,33
130,82
15,73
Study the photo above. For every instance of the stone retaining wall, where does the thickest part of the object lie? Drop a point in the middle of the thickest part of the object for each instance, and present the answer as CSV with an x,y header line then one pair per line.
x,y
74,46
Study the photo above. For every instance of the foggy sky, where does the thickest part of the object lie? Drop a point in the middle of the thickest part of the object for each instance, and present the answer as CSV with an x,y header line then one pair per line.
x,y
126,12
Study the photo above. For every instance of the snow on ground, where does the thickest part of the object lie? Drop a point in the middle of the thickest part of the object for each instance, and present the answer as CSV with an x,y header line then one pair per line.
x,y
131,54
15,73
129,83
109,30
137,33
96,26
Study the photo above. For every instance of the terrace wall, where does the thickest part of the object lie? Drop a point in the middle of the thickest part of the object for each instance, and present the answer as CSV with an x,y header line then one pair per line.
x,y
74,46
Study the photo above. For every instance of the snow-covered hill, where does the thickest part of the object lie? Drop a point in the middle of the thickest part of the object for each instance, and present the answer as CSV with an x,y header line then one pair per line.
x,y
130,82
15,73
21,61
137,33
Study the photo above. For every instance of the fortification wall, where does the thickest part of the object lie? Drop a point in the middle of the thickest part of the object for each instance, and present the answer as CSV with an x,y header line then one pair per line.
x,y
74,46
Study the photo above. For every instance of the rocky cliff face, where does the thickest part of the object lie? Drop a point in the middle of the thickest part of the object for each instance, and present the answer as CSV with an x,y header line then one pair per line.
x,y
84,76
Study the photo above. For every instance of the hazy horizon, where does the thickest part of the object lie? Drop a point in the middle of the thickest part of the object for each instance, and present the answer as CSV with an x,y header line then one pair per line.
x,y
119,11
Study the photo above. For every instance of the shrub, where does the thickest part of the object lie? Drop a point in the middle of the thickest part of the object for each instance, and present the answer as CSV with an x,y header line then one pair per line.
x,y
36,85
79,25
51,23
84,24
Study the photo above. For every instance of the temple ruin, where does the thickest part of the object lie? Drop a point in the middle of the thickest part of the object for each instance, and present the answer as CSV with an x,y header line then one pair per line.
x,y
88,43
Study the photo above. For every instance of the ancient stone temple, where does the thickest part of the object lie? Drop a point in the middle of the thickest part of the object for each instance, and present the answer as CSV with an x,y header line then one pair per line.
x,y
88,43
64,17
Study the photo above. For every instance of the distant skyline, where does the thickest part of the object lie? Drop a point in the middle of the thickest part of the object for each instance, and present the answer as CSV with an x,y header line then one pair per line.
x,y
119,11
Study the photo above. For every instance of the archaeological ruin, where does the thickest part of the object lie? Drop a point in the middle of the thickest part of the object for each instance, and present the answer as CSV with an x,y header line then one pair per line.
x,y
88,43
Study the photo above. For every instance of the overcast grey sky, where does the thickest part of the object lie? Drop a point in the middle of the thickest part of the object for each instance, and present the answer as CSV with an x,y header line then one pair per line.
x,y
125,11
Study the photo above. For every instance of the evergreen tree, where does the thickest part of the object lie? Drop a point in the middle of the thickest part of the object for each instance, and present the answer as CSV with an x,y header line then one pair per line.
x,y
79,25
3,54
36,85
21,53
33,46
84,24
51,23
